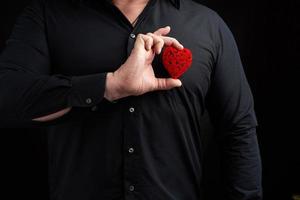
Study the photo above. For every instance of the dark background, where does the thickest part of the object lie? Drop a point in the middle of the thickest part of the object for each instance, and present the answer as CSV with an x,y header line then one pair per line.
x,y
267,34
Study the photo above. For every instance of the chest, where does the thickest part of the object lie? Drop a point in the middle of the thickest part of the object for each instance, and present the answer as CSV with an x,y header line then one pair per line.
x,y
87,45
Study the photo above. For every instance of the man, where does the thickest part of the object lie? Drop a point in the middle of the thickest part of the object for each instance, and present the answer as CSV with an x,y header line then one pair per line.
x,y
118,126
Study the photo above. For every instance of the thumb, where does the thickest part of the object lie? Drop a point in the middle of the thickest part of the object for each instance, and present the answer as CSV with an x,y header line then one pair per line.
x,y
139,42
167,83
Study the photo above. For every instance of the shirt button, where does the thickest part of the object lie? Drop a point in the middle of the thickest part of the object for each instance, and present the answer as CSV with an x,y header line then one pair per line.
x,y
114,101
94,108
130,150
131,188
131,109
132,35
88,100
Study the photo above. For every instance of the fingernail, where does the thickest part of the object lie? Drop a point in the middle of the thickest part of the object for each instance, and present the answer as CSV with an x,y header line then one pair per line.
x,y
179,83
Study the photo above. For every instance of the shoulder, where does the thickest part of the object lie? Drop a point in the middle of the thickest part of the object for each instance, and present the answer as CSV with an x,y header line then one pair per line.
x,y
203,16
199,10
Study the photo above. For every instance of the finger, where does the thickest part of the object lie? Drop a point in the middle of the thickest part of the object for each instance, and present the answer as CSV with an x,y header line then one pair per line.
x,y
158,42
163,31
148,42
172,41
167,83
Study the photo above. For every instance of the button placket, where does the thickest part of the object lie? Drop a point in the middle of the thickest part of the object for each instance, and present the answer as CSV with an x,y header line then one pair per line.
x,y
131,150
130,43
132,35
131,159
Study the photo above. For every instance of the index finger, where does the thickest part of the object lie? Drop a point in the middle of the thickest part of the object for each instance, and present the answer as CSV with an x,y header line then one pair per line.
x,y
162,31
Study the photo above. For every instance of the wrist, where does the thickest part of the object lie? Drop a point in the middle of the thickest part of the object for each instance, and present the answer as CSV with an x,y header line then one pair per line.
x,y
112,91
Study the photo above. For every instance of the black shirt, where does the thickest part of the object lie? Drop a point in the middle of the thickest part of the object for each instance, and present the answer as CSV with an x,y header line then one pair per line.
x,y
138,147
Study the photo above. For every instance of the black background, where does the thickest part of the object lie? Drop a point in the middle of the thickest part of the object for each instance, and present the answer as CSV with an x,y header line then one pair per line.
x,y
267,34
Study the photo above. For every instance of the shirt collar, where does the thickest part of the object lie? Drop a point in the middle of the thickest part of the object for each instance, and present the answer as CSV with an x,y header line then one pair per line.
x,y
175,3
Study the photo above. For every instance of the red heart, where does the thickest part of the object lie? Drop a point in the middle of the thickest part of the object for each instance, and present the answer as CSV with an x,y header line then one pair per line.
x,y
176,61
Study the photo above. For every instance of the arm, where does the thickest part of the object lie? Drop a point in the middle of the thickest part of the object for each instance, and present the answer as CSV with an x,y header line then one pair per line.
x,y
231,107
108,94
28,90
53,115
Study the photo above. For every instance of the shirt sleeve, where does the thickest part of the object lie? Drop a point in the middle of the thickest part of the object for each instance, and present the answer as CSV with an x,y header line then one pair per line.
x,y
231,108
28,89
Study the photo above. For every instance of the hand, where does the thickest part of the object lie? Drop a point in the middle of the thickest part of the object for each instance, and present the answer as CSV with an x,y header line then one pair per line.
x,y
136,75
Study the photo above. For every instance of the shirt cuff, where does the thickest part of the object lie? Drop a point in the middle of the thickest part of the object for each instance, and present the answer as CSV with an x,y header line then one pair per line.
x,y
87,90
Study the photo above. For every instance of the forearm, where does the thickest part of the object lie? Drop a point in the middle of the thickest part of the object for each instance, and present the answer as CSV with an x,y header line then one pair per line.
x,y
40,98
110,94
241,165
53,116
